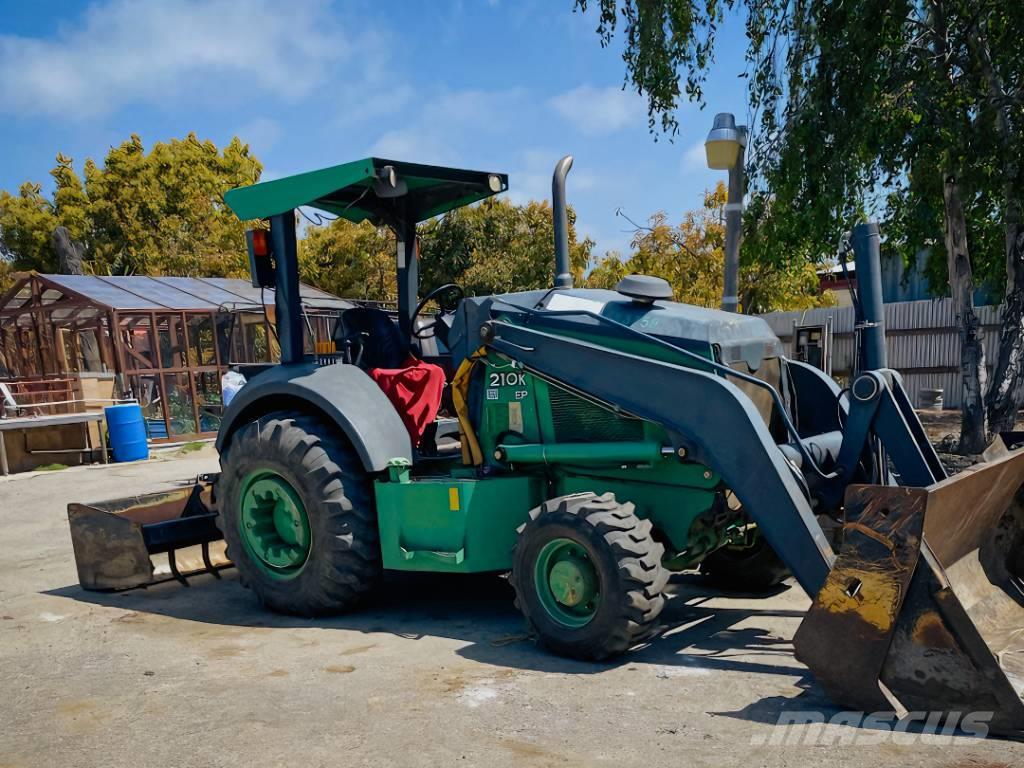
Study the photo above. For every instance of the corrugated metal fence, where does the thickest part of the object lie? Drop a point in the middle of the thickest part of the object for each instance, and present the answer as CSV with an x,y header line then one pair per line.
x,y
921,337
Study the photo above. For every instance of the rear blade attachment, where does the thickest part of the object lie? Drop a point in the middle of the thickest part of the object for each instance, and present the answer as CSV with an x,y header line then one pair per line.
x,y
141,540
924,608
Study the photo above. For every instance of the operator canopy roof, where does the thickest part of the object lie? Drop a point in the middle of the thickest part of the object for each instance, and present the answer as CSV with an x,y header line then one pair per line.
x,y
372,189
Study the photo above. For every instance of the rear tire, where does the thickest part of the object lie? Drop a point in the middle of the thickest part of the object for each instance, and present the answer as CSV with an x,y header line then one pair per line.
x,y
608,562
297,463
749,569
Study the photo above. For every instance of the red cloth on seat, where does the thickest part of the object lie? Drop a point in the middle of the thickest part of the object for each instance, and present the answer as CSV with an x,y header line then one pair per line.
x,y
415,391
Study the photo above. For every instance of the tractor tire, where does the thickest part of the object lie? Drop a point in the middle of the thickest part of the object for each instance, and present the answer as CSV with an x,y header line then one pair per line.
x,y
297,514
588,577
754,569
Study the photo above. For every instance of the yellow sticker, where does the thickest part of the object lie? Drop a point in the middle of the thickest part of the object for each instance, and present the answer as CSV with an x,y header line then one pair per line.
x,y
515,417
453,499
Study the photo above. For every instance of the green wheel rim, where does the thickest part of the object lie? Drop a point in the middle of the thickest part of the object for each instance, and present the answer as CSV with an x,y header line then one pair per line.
x,y
273,524
567,583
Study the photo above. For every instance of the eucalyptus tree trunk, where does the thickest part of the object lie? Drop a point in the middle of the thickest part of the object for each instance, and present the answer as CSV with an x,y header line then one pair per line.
x,y
1007,391
69,253
973,426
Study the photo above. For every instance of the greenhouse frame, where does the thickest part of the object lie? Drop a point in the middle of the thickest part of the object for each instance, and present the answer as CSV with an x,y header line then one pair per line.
x,y
163,341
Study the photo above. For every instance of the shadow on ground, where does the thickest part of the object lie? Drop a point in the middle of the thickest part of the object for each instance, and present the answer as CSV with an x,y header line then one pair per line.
x,y
478,610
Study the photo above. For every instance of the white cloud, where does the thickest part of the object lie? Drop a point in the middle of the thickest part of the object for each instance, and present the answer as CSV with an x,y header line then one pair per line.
x,y
530,179
260,134
413,146
134,52
597,111
473,109
449,120
372,101
694,158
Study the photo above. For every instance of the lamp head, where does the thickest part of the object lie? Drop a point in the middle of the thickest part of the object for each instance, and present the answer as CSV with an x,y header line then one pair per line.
x,y
724,142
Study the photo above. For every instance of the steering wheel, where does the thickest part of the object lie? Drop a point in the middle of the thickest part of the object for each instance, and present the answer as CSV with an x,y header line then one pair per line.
x,y
453,292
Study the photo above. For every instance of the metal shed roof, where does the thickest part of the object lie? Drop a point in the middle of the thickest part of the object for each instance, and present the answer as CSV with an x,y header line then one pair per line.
x,y
156,294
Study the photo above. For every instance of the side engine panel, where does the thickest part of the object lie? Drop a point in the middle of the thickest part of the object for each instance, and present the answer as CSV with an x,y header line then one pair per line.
x,y
684,500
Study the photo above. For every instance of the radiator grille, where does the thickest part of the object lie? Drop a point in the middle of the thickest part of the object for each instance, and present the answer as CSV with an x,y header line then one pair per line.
x,y
577,420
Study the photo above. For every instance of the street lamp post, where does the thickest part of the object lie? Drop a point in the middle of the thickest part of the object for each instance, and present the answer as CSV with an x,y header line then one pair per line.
x,y
725,147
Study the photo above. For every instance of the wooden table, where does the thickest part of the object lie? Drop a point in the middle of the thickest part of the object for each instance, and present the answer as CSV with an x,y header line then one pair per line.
x,y
23,423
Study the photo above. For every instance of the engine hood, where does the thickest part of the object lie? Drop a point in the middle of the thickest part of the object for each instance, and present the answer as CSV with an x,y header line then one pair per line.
x,y
731,337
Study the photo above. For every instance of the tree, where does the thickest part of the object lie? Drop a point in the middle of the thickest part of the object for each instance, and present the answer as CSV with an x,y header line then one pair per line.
x,y
669,45
6,275
896,93
497,247
921,96
690,257
492,247
26,223
156,212
356,261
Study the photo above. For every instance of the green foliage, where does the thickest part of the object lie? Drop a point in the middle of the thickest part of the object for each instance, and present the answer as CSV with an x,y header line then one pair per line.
x,y
497,247
865,106
352,260
874,94
909,110
493,247
26,223
668,47
179,409
690,257
6,274
157,212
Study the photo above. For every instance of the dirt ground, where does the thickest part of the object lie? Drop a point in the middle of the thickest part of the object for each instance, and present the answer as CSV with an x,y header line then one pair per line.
x,y
943,429
436,671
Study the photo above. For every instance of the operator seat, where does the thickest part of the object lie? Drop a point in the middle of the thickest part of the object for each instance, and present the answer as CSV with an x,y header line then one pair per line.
x,y
413,386
374,337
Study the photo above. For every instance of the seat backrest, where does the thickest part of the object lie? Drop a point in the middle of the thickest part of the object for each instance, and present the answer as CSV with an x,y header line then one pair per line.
x,y
383,345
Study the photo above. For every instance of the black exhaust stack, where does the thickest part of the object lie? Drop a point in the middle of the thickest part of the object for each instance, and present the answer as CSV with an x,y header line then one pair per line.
x,y
870,310
560,213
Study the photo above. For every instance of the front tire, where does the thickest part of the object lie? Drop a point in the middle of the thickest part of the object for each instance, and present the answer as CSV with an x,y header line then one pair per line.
x,y
297,515
588,576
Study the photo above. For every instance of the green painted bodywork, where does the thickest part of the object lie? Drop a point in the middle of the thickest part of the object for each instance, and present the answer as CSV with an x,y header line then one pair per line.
x,y
347,191
453,524
548,442
581,454
524,408
273,525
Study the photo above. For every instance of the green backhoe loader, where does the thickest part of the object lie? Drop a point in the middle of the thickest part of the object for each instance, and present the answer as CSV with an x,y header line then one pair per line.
x,y
594,443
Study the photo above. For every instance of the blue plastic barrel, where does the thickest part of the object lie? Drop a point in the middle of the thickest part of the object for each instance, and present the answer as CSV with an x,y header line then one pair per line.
x,y
127,432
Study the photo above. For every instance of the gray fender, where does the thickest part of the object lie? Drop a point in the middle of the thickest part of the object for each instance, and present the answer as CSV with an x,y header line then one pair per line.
x,y
343,394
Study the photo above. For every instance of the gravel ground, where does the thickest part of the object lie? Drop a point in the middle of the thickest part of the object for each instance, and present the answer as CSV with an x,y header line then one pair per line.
x,y
436,671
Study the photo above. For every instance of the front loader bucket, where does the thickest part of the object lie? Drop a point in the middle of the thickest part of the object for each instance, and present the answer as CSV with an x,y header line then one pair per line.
x,y
147,539
923,610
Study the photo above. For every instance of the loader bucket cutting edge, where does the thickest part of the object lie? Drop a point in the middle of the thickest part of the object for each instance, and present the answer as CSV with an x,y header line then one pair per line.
x,y
147,539
923,610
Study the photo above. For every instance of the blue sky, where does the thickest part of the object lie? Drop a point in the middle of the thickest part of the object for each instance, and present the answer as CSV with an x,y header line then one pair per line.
x,y
504,85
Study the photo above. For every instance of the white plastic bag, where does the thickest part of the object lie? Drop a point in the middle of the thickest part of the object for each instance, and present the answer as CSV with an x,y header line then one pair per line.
x,y
230,383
